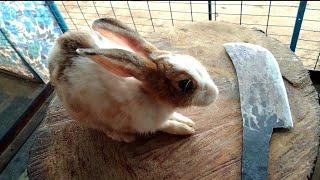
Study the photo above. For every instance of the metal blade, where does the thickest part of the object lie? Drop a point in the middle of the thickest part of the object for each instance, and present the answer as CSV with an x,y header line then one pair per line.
x,y
264,104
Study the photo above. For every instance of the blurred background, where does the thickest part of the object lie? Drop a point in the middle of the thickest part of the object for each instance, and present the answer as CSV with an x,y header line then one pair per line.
x,y
275,18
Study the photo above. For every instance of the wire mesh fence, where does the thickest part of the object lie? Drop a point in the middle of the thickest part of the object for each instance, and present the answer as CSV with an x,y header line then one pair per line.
x,y
275,18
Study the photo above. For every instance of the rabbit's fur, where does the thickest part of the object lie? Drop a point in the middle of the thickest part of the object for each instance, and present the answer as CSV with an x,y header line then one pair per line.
x,y
114,80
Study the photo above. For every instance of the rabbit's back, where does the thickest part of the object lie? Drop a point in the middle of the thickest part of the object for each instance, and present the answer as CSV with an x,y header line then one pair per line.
x,y
64,50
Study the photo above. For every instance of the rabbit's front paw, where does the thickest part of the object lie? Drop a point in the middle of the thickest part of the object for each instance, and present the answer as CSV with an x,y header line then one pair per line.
x,y
179,125
181,118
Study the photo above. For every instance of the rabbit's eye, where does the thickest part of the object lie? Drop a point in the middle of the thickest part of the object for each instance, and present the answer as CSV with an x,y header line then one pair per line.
x,y
185,85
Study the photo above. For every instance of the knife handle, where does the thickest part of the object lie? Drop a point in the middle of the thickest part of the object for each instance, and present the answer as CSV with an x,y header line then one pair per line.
x,y
255,154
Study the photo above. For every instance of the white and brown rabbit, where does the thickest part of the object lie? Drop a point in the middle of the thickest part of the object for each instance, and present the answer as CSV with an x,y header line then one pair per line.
x,y
115,81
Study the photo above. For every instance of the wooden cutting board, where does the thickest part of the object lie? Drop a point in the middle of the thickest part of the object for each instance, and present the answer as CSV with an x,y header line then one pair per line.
x,y
65,149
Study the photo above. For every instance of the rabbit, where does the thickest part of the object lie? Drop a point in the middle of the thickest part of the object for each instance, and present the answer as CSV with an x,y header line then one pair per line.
x,y
113,80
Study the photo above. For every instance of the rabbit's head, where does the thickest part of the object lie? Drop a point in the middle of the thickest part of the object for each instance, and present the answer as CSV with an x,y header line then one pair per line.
x,y
177,79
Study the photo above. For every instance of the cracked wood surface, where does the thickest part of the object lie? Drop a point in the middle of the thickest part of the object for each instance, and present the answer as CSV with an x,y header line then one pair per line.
x,y
64,149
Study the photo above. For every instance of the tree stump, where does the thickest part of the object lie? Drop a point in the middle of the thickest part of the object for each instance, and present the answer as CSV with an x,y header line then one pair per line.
x,y
64,149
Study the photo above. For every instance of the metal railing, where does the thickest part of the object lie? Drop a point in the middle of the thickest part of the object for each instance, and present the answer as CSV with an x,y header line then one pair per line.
x,y
295,24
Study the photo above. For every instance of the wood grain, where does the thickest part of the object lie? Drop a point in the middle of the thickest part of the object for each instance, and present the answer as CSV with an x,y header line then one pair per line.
x,y
64,149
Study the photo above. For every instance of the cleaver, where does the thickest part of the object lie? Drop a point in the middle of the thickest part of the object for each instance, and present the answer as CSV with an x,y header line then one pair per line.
x,y
264,104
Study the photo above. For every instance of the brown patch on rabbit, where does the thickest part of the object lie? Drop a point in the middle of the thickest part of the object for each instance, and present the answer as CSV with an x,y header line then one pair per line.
x,y
163,85
68,43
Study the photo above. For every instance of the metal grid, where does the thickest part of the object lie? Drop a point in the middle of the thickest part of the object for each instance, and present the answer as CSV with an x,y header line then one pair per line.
x,y
275,18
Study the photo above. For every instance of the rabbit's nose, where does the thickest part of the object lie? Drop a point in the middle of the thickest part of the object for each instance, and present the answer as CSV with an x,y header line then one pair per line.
x,y
211,91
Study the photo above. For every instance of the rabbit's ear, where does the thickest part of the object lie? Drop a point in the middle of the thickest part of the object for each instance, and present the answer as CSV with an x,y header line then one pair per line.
x,y
120,62
123,35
